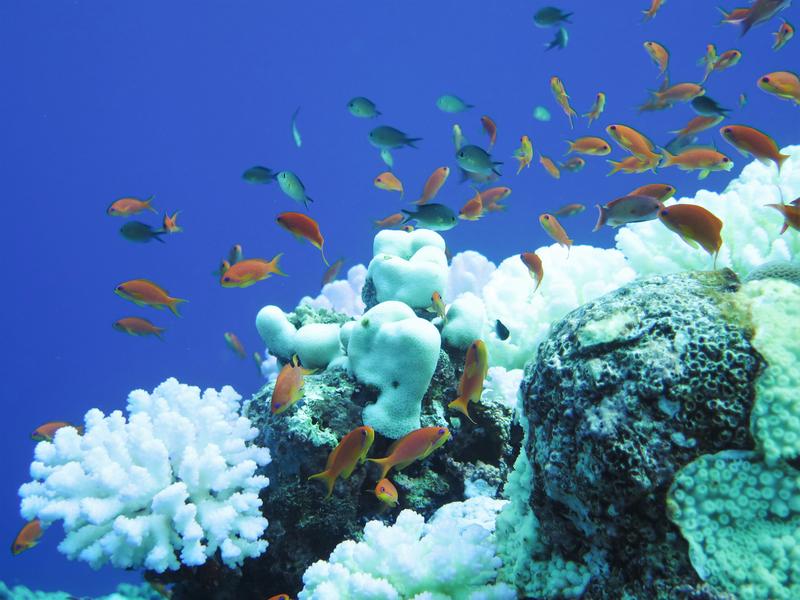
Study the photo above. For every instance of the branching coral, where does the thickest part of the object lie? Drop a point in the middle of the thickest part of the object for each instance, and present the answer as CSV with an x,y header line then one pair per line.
x,y
174,483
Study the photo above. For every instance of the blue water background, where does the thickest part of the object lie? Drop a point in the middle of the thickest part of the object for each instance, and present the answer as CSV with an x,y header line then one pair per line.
x,y
105,99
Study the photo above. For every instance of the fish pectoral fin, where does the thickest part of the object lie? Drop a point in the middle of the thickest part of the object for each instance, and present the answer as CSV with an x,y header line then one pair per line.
x,y
689,241
703,174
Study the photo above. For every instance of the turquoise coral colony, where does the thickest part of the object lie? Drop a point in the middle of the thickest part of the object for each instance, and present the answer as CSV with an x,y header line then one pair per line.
x,y
581,423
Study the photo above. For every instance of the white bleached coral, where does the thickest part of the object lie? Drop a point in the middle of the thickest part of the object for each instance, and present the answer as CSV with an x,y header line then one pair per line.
x,y
174,483
450,557
342,295
750,232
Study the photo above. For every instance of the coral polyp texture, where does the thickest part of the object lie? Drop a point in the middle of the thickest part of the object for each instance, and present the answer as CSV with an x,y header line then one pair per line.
x,y
452,556
172,484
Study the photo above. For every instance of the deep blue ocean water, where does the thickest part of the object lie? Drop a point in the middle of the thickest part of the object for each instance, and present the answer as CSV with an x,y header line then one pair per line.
x,y
108,99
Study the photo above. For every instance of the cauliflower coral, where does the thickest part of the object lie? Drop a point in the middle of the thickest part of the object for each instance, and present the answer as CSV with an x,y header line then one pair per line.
x,y
172,484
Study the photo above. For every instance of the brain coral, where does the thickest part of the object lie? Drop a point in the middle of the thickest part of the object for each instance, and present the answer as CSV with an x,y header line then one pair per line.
x,y
177,479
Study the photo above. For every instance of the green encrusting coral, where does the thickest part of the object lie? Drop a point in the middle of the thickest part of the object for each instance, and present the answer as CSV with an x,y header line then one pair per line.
x,y
740,510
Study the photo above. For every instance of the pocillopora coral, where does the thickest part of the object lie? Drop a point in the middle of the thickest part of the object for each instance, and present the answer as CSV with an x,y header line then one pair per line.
x,y
176,479
740,511
396,351
750,234
451,557
316,344
408,266
343,296
465,321
469,272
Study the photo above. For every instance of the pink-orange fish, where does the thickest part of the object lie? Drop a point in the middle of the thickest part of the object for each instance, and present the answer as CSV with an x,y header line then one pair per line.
x,y
634,142
472,209
143,292
46,431
535,268
390,221
704,160
126,207
417,445
27,537
137,326
386,493
433,185
490,128
698,124
655,6
783,84
549,166
659,54
250,271
695,225
170,223
751,141
288,386
554,229
589,145
632,164
659,191
784,34
470,387
437,306
493,196
351,451
235,344
303,227
791,214
333,272
389,182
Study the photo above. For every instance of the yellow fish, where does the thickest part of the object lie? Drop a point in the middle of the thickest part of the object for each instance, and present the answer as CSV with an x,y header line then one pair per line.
x,y
561,96
524,154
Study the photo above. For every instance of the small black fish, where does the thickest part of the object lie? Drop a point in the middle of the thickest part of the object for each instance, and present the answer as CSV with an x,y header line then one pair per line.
x,y
136,231
708,107
501,330
259,175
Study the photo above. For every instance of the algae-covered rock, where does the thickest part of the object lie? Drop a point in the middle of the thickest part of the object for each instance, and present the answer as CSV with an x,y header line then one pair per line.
x,y
625,391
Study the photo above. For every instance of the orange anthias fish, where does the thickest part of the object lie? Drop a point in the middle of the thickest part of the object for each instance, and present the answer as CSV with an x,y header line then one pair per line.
x,y
288,386
549,166
251,270
470,387
137,326
709,60
569,210
659,54
433,185
703,159
473,209
235,344
280,597
27,537
634,142
170,223
534,264
590,146
417,445
680,92
631,164
734,17
784,34
761,11
333,271
524,154
783,84
750,141
574,164
727,59
493,196
46,431
126,207
555,230
597,108
698,124
390,221
490,128
437,306
303,227
143,292
650,13
389,182
352,450
695,225
659,191
386,493
561,96
791,214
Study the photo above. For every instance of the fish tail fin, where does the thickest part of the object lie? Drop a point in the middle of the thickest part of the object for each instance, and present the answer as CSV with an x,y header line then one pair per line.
x,y
327,478
460,404
159,333
601,217
669,159
173,305
384,463
157,233
148,203
616,167
412,141
275,267
571,113
571,145
781,159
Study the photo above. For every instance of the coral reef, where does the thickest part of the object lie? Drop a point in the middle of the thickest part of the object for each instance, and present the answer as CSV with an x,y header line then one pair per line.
x,y
776,269
123,592
623,393
173,484
452,556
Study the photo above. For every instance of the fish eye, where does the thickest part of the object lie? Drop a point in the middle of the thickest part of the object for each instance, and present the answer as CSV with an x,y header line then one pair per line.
x,y
765,80
226,279
612,127
725,159
605,147
728,130
440,432
383,489
276,404
664,211
546,217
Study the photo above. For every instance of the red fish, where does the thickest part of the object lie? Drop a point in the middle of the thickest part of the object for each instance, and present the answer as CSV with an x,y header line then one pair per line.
x,y
333,271
143,292
303,227
534,264
417,445
27,537
695,225
137,326
288,386
791,214
751,141
490,128
126,207
351,451
46,431
249,271
470,387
